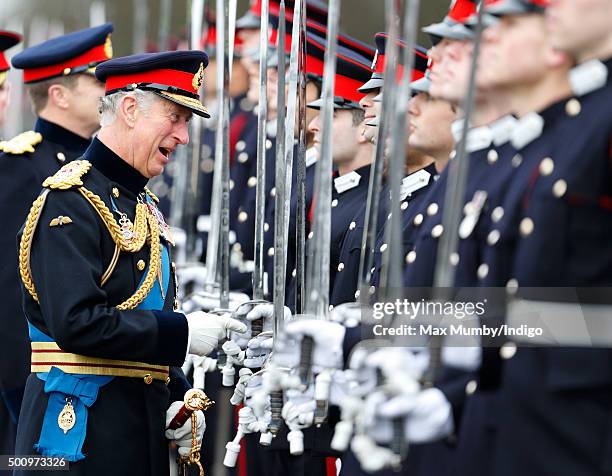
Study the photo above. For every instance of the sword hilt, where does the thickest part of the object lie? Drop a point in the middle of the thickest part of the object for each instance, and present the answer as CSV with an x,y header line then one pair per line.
x,y
305,368
194,400
276,409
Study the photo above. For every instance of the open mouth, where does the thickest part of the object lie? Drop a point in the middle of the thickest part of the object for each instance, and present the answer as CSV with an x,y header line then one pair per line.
x,y
165,152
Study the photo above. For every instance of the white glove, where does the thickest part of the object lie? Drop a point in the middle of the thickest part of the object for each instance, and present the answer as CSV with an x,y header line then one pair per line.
x,y
207,301
206,330
258,350
428,414
348,314
182,435
248,313
298,410
327,336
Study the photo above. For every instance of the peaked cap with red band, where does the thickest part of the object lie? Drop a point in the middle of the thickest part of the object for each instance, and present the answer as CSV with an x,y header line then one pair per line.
x,y
376,81
452,26
8,39
173,75
352,70
77,52
515,7
315,10
315,29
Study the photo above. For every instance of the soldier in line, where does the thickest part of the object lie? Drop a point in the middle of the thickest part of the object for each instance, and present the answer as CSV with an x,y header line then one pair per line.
x,y
8,39
9,390
64,94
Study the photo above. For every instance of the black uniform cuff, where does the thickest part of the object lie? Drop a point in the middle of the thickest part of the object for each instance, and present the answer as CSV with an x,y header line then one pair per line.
x,y
172,336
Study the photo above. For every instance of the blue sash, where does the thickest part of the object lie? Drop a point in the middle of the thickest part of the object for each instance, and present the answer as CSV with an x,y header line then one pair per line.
x,y
81,390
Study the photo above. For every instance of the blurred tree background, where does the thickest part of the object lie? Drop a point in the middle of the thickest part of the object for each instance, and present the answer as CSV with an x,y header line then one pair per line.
x,y
141,25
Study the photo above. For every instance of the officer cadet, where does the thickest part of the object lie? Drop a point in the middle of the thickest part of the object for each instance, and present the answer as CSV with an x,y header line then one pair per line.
x,y
561,396
8,39
64,96
532,82
7,420
95,220
345,288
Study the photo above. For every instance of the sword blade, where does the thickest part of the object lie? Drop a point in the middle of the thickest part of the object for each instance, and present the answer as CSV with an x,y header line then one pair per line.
x,y
262,120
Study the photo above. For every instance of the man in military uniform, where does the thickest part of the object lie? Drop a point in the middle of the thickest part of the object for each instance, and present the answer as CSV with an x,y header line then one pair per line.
x,y
99,289
8,39
9,391
64,94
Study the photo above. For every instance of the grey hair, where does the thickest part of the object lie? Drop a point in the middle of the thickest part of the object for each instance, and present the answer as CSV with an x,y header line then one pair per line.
x,y
109,105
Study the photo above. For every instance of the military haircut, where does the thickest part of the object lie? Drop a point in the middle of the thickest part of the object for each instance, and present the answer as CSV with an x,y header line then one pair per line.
x,y
39,91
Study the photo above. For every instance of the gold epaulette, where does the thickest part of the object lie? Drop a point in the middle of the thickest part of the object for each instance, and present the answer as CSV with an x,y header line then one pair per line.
x,y
152,195
21,143
68,176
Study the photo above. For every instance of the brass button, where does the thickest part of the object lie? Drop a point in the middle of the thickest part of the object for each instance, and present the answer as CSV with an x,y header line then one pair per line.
x,y
357,293
432,209
383,247
268,144
404,205
231,185
240,145
148,379
340,267
237,247
492,156
352,225
270,251
410,257
573,107
437,231
508,350
67,71
547,166
243,157
497,214
252,182
140,265
372,289
60,156
454,259
273,192
493,237
526,226
517,160
512,286
418,219
482,271
115,192
208,166
242,217
167,380
266,227
471,387
559,188
334,202
310,235
452,155
294,273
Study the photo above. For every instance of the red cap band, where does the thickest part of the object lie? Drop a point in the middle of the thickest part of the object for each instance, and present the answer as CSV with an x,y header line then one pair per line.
x,y
4,66
462,10
95,55
167,77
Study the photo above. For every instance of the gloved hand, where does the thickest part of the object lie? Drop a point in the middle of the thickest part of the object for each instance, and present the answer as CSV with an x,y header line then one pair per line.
x,y
206,330
251,311
348,314
208,301
327,337
182,435
298,410
258,350
428,415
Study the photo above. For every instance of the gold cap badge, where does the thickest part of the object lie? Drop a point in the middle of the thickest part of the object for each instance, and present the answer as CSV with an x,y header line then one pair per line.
x,y
198,78
108,47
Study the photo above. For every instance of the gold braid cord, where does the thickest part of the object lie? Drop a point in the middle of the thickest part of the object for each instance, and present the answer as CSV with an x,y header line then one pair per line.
x,y
151,276
144,219
140,223
25,245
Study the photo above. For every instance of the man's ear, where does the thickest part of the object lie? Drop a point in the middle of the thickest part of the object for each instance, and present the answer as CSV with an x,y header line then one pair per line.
x,y
128,111
58,95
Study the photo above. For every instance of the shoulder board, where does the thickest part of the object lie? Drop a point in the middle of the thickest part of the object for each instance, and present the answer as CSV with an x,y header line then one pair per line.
x,y
152,195
68,176
21,143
